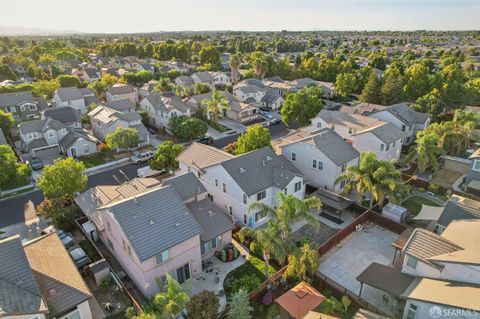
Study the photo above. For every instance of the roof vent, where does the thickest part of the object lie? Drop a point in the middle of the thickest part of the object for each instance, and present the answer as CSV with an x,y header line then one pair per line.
x,y
151,222
269,158
177,224
263,163
52,292
242,170
135,200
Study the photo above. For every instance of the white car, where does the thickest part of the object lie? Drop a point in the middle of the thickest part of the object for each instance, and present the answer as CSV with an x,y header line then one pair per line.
x,y
138,158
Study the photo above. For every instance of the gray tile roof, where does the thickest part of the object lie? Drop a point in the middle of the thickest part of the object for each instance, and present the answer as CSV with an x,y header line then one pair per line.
x,y
63,114
362,108
424,244
40,125
91,72
161,102
186,185
73,135
19,292
121,89
388,133
458,207
121,105
184,79
14,99
260,169
154,221
270,97
212,219
69,94
406,114
204,76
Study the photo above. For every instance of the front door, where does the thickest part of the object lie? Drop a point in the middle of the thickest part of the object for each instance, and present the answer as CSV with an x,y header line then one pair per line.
x,y
74,152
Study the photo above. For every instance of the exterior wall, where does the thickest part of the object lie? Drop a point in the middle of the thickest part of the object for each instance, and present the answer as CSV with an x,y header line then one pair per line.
x,y
160,120
241,96
79,104
23,112
226,239
83,147
389,117
368,142
305,154
84,309
128,96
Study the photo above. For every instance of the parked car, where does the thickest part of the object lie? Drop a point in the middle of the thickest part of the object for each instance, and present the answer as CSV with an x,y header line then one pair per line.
x,y
208,140
266,114
67,240
138,157
273,122
264,108
151,130
79,256
36,164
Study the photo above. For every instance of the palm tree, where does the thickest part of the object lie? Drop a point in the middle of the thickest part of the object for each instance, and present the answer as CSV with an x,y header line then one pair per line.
x,y
380,178
426,151
260,64
172,300
289,211
164,85
234,62
268,238
216,104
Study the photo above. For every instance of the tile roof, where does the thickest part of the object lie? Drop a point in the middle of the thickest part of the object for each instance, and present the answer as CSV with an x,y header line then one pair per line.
x,y
56,274
213,220
68,94
458,207
260,169
63,114
121,89
73,135
40,126
14,99
406,114
121,105
186,185
154,221
202,156
362,108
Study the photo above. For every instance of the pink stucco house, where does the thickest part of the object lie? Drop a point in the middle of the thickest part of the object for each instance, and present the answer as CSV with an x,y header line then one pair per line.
x,y
155,228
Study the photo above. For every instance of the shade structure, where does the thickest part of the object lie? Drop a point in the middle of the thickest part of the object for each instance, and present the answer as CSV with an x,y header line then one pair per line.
x,y
299,300
429,213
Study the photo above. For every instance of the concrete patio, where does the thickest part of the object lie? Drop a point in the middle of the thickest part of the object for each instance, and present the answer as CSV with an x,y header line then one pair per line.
x,y
208,281
345,262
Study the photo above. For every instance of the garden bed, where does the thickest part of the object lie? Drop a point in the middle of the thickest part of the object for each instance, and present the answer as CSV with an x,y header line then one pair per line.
x,y
308,234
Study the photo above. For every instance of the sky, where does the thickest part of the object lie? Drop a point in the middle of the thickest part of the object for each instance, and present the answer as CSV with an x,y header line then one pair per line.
x,y
129,16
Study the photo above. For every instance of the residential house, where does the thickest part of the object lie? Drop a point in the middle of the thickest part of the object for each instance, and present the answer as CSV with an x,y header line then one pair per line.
x,y
66,115
79,99
446,270
124,106
161,109
233,182
204,77
153,229
321,157
146,89
90,74
328,87
472,180
405,118
22,105
237,111
457,207
366,134
184,80
222,79
105,120
277,86
41,134
272,101
78,142
249,91
39,280
122,92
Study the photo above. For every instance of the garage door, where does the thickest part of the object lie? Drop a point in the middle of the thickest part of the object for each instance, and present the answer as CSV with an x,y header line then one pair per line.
x,y
47,155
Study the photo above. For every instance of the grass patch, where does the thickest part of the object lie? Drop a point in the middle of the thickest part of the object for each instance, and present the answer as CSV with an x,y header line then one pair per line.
x,y
89,250
414,204
94,160
216,126
253,267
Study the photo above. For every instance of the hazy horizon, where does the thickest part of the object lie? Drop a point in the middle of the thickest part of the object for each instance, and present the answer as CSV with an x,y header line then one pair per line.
x,y
122,16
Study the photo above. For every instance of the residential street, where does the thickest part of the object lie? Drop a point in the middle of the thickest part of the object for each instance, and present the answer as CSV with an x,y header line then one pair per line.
x,y
276,131
12,210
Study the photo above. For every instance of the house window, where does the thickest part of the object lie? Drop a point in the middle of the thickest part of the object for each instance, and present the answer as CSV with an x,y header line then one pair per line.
x,y
285,191
412,262
230,210
476,165
293,156
183,273
382,147
350,130
298,186
314,163
69,102
403,128
50,134
344,167
86,149
388,147
342,184
216,182
244,219
11,109
261,195
393,145
129,251
162,257
224,187
320,165
33,107
412,311
22,107
259,216
245,199
319,124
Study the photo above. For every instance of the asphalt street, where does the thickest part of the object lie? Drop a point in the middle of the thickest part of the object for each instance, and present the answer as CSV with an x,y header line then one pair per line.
x,y
12,209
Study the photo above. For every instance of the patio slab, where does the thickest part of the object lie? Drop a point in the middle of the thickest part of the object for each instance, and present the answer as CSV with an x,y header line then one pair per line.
x,y
353,256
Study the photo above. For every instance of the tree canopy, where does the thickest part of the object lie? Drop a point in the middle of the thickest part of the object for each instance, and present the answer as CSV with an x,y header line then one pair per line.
x,y
187,128
302,106
165,156
123,138
255,137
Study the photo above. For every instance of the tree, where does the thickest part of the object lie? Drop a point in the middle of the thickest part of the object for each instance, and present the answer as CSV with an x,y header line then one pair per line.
x,y
234,62
139,78
201,88
392,87
302,106
431,103
6,73
63,180
260,64
255,137
452,80
11,171
187,128
345,84
426,151
6,122
45,88
165,156
239,306
379,178
472,92
68,81
164,85
210,54
172,300
216,104
123,138
372,91
203,305
417,81
303,264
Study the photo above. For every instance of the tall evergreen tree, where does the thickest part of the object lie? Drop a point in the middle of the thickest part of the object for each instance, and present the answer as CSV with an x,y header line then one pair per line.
x,y
372,91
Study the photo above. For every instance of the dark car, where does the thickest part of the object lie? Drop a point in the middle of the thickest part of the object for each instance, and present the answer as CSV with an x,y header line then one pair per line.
x,y
274,122
36,164
208,140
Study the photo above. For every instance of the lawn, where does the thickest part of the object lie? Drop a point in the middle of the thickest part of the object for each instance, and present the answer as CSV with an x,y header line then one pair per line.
x,y
414,204
254,267
94,160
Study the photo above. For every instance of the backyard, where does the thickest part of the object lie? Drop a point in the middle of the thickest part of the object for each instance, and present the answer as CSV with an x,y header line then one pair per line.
x,y
414,204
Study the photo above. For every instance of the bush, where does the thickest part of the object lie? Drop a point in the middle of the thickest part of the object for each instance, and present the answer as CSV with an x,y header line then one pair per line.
x,y
245,235
256,249
331,306
103,147
302,241
433,188
246,282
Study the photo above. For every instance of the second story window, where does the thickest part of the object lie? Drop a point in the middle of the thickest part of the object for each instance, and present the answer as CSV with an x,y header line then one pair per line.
x,y
298,186
344,167
224,187
319,124
216,182
162,257
476,165
382,147
314,163
293,156
261,195
245,199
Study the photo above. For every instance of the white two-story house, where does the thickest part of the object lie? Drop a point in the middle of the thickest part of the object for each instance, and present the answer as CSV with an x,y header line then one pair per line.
x,y
235,182
321,157
161,109
364,133
122,92
79,99
249,91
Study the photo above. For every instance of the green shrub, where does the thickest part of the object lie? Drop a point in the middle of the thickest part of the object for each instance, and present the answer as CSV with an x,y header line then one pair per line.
x,y
246,282
433,188
302,241
259,264
256,249
245,235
